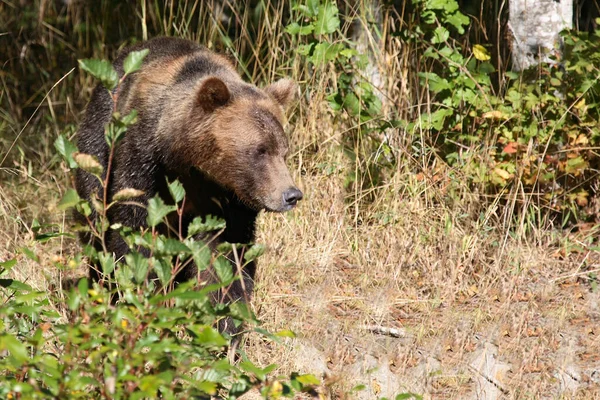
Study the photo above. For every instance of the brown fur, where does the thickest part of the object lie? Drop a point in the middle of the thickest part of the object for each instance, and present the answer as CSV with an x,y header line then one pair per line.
x,y
200,123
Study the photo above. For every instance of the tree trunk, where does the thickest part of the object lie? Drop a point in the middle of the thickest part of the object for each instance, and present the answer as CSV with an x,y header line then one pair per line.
x,y
535,25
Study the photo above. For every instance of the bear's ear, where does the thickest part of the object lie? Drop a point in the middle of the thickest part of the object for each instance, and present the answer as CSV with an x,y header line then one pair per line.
x,y
212,94
284,91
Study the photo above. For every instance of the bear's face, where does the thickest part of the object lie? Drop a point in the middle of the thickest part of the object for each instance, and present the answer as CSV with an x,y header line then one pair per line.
x,y
248,142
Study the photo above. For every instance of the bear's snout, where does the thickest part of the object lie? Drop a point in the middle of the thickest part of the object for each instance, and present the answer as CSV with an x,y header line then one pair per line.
x,y
290,197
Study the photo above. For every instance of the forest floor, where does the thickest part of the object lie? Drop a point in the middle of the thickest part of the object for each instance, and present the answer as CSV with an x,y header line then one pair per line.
x,y
403,295
420,304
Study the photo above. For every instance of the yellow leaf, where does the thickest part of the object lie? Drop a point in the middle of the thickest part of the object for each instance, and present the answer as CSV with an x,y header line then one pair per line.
x,y
276,390
472,291
88,163
127,193
502,173
481,53
376,387
495,115
580,104
582,140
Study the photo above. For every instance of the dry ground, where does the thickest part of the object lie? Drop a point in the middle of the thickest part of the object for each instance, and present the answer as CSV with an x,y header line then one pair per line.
x,y
404,294
476,313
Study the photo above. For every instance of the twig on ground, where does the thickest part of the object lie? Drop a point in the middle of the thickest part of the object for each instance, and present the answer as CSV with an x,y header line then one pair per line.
x,y
385,330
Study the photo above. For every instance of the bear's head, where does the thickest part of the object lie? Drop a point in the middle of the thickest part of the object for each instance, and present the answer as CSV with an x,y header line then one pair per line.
x,y
239,129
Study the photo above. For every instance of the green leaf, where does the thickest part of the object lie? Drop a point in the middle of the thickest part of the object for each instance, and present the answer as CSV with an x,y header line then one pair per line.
x,y
44,237
436,119
16,349
66,150
73,300
358,388
254,252
101,70
295,29
15,285
253,369
327,19
209,388
285,333
241,311
209,336
440,35
352,104
458,21
157,211
177,191
69,199
171,246
308,379
335,101
7,265
83,287
435,82
223,268
310,9
200,252
139,265
226,247
129,119
575,165
349,53
313,6
406,396
305,49
134,60
209,224
325,52
163,270
107,262
29,254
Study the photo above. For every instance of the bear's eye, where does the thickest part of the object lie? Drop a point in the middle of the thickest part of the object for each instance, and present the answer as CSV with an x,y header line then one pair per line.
x,y
261,151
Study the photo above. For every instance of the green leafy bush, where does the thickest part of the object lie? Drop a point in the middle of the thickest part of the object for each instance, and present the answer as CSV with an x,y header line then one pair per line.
x,y
538,132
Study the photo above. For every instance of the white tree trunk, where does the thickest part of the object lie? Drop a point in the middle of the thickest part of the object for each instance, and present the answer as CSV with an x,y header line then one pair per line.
x,y
368,41
535,25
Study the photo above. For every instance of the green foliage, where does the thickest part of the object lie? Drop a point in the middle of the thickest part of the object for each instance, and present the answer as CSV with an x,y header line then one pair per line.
x,y
316,29
147,345
101,70
104,71
66,149
209,224
535,132
134,60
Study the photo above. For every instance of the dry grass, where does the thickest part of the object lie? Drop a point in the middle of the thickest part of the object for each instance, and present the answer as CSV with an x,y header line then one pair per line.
x,y
420,256
450,285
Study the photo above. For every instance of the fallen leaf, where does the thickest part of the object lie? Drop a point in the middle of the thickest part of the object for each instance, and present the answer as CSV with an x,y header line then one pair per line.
x,y
510,148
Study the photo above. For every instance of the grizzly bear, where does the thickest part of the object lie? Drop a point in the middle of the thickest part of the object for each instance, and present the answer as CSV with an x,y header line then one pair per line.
x,y
200,123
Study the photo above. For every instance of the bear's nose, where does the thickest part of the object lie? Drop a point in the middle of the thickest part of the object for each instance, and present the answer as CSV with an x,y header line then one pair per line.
x,y
292,196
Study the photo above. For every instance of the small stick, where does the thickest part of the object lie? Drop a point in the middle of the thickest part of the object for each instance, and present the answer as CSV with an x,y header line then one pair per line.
x,y
385,330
